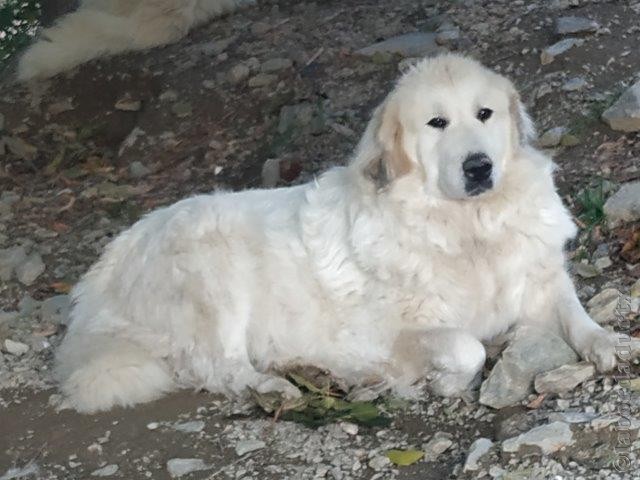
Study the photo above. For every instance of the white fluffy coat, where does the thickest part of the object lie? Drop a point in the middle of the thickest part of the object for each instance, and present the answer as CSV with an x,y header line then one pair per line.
x,y
394,278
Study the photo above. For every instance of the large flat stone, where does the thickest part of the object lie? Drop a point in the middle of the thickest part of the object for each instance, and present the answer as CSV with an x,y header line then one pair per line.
x,y
531,351
624,115
624,205
415,44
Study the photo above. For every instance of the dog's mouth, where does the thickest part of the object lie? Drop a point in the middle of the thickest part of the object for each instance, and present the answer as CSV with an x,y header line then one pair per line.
x,y
475,189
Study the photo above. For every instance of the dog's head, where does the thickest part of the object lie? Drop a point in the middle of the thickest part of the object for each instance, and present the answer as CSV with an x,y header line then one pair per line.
x,y
451,121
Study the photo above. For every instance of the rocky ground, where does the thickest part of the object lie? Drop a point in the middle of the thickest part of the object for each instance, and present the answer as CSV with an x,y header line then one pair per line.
x,y
271,96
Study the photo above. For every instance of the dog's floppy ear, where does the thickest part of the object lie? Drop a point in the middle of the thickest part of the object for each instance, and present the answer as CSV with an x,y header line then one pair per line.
x,y
391,159
524,130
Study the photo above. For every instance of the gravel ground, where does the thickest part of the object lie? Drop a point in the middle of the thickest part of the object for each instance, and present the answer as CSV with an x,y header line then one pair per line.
x,y
271,96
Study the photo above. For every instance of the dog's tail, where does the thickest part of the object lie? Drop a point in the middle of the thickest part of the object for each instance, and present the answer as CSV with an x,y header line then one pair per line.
x,y
98,371
75,39
92,32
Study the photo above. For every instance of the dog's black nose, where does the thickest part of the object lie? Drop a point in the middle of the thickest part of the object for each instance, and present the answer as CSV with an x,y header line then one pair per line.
x,y
477,174
477,168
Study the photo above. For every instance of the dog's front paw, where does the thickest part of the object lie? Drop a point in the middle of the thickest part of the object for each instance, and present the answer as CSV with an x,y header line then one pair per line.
x,y
600,349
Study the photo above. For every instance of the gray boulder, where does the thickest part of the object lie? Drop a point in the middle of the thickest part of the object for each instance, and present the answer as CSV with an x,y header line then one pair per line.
x,y
531,351
415,44
624,114
564,378
568,25
624,205
548,438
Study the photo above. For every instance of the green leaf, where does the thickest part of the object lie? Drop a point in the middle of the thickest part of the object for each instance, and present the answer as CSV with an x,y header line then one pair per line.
x,y
303,382
403,458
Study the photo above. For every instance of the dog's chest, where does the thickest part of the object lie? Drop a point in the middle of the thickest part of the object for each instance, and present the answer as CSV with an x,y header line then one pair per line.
x,y
480,284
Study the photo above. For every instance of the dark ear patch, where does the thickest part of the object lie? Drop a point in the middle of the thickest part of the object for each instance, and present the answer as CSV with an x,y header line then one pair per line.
x,y
377,173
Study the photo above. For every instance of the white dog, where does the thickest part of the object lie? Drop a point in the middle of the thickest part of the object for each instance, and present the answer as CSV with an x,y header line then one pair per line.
x,y
444,231
107,27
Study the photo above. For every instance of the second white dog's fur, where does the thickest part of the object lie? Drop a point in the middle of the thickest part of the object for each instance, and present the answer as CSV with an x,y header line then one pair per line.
x,y
384,269
107,27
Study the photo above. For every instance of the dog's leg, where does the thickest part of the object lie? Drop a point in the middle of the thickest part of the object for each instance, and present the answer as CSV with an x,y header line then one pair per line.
x,y
450,358
585,336
236,376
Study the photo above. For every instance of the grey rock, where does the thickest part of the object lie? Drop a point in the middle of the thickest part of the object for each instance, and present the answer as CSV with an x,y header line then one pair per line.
x,y
602,263
239,73
181,109
549,54
29,270
548,438
379,462
444,37
262,80
168,96
28,305
624,205
194,426
438,444
178,467
1,122
635,289
416,44
477,449
253,63
571,417
56,309
137,169
271,172
564,378
552,137
9,198
349,428
624,114
514,425
15,348
10,258
574,84
570,24
127,104
245,446
275,65
6,316
303,115
602,307
624,422
106,471
586,270
260,28
215,47
531,351
20,148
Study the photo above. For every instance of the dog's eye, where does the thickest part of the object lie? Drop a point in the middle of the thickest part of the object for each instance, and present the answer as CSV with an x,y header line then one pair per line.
x,y
438,122
484,114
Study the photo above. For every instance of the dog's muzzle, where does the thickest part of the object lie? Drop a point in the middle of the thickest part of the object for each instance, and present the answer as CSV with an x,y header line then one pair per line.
x,y
477,169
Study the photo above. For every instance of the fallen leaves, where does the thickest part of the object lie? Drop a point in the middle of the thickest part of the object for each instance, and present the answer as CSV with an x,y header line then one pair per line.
x,y
403,458
630,251
323,401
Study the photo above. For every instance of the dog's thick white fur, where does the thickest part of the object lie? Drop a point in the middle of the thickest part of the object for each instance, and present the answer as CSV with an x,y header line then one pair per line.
x,y
107,27
383,269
